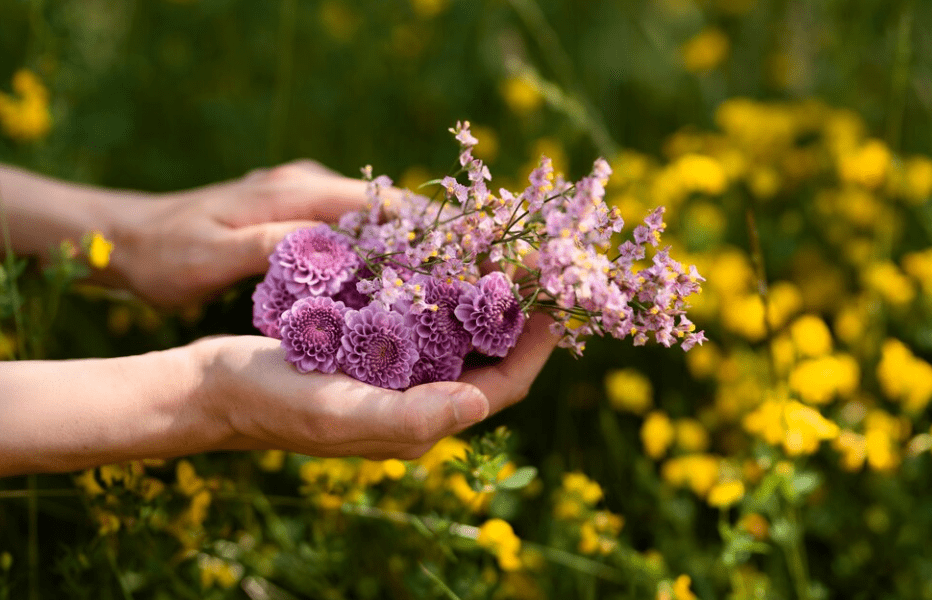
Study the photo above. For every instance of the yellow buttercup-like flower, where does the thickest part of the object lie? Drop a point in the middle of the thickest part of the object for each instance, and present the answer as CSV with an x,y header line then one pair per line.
x,y
497,536
25,115
629,390
706,50
98,250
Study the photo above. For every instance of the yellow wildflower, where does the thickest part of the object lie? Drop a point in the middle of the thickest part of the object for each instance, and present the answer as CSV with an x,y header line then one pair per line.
x,y
918,265
520,95
214,570
426,9
629,390
756,525
25,116
805,428
87,482
723,495
691,436
881,452
706,50
701,173
918,179
394,469
797,427
819,380
697,471
576,483
811,336
867,165
904,377
187,480
853,449
98,250
681,589
887,280
272,460
498,537
657,434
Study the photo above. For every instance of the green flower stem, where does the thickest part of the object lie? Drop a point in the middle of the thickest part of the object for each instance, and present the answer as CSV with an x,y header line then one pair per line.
x,y
14,289
440,583
795,553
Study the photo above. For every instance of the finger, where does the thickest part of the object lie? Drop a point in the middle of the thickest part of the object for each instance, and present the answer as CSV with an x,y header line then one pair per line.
x,y
510,380
421,415
251,246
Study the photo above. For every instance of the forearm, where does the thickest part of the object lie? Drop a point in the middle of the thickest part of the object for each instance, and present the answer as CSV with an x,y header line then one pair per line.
x,y
67,415
41,212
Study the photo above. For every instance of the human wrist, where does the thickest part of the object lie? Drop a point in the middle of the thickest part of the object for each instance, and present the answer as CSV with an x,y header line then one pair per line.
x,y
221,395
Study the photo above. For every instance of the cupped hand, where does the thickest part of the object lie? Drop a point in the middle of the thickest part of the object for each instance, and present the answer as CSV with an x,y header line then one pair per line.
x,y
267,404
182,247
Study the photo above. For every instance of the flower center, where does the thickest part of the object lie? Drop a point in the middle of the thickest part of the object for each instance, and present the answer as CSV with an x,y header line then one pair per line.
x,y
383,351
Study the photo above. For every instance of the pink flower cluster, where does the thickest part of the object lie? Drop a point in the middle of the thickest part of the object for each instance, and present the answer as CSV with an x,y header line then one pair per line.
x,y
400,292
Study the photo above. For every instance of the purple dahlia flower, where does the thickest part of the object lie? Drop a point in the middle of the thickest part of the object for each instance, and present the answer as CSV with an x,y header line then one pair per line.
x,y
438,332
315,261
311,333
377,348
269,301
429,369
350,295
491,314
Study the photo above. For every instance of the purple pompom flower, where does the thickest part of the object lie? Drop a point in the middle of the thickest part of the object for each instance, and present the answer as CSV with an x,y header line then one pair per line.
x,y
311,333
269,301
377,348
429,369
314,261
437,331
491,314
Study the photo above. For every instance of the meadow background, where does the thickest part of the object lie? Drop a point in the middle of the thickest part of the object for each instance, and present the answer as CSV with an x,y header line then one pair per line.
x,y
790,141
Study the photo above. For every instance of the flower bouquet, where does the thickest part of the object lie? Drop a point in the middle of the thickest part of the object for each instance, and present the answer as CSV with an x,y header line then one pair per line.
x,y
398,294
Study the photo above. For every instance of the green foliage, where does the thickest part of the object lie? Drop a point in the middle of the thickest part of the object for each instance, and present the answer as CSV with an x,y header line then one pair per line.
x,y
164,95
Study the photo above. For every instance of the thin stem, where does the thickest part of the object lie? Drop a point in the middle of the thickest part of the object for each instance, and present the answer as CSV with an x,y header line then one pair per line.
x,y
10,266
440,583
757,256
900,76
32,551
795,553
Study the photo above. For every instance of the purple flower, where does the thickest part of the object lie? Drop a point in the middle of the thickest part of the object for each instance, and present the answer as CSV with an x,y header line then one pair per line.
x,y
429,369
350,295
314,261
437,331
491,314
377,348
311,333
269,301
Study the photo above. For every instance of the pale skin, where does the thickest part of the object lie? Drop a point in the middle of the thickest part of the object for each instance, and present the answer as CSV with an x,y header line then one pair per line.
x,y
222,393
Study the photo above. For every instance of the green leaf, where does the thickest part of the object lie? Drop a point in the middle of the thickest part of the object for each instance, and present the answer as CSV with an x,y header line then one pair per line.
x,y
519,479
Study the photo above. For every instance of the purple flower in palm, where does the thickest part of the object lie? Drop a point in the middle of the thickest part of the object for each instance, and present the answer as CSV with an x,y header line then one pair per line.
x,y
429,369
377,348
269,301
437,331
311,332
491,314
314,261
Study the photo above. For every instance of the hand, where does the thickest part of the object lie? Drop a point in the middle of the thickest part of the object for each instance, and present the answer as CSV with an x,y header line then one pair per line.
x,y
269,405
182,247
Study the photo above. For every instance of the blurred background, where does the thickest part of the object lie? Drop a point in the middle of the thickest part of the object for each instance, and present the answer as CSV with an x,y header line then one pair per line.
x,y
790,143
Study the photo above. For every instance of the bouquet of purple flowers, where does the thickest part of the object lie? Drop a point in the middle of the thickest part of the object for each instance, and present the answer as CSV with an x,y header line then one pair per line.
x,y
400,292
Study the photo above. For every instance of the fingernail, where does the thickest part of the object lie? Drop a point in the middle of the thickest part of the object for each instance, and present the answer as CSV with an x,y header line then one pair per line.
x,y
469,405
